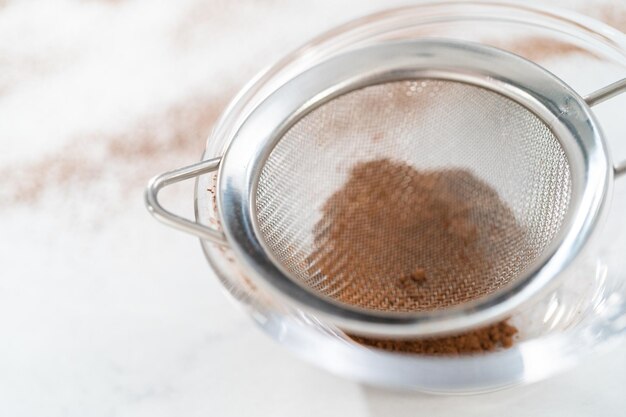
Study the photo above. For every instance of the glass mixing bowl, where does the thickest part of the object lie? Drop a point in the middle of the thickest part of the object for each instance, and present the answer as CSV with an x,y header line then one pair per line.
x,y
585,313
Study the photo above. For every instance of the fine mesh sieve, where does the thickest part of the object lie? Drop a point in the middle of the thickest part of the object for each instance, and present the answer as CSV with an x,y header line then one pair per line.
x,y
427,124
443,108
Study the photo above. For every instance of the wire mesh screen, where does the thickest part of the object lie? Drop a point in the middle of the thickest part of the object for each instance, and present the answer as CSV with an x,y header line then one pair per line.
x,y
412,195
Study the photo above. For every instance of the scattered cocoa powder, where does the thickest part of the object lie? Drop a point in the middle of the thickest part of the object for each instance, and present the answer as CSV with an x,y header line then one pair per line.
x,y
539,48
397,239
159,142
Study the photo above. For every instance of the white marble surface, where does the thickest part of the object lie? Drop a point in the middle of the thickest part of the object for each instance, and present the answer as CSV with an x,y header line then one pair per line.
x,y
103,311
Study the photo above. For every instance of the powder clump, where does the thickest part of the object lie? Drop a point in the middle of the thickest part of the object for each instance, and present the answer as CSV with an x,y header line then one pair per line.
x,y
394,238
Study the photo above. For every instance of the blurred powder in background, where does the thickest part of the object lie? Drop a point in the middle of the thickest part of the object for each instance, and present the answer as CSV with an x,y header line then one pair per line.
x,y
86,86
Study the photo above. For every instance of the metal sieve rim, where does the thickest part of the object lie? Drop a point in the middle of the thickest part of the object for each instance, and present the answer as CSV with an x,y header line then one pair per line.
x,y
555,103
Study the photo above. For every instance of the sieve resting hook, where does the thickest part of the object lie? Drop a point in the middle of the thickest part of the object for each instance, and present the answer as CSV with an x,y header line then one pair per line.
x,y
604,94
171,177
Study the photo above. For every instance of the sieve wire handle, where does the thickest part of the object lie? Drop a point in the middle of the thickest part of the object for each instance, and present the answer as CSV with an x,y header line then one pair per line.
x,y
168,178
604,94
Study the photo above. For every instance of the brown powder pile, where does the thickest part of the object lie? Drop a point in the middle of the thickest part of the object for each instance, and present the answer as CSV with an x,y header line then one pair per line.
x,y
486,339
397,239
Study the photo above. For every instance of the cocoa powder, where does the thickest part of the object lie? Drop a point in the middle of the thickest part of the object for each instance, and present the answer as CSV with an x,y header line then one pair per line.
x,y
486,339
397,239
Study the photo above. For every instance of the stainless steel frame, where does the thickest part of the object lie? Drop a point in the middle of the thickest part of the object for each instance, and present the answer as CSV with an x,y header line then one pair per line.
x,y
561,108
